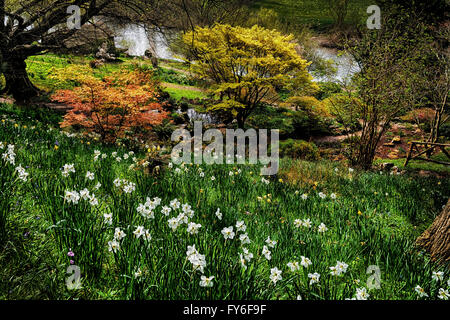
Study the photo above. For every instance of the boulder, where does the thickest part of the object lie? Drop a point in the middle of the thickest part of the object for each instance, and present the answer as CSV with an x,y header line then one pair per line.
x,y
89,38
149,55
387,165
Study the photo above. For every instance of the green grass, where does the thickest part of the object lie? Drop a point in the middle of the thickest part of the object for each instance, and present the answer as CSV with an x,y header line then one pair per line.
x,y
417,165
178,93
313,12
41,68
374,220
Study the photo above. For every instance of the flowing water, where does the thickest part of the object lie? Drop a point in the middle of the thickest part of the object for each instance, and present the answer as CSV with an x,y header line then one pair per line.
x,y
136,39
345,65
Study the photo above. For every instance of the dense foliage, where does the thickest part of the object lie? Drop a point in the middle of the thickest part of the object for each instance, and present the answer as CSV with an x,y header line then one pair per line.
x,y
246,65
119,104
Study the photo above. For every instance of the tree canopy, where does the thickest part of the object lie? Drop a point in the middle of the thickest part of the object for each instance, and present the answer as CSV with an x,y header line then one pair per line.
x,y
246,65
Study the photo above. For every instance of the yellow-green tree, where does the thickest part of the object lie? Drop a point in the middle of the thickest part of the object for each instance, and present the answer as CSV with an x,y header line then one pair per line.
x,y
246,65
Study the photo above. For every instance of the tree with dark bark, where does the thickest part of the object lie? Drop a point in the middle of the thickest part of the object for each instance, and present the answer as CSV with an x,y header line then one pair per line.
x,y
31,27
436,239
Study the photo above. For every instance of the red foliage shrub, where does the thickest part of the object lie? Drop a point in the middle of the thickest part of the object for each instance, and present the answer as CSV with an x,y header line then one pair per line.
x,y
114,106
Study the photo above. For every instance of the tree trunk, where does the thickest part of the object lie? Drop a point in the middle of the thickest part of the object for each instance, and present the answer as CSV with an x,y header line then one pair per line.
x,y
241,121
436,239
18,84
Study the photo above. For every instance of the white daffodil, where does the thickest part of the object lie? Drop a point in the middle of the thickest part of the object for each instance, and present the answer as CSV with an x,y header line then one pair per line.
x,y
72,197
140,231
89,175
119,234
173,223
247,254
240,226
275,275
166,210
294,266
322,228
443,294
305,262
271,243
193,228
113,246
219,214
175,204
228,233
108,218
298,223
244,238
84,194
206,281
307,223
361,294
315,277
266,252
438,276
421,292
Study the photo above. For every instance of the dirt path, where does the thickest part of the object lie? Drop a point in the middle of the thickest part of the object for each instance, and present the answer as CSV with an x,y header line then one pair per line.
x,y
181,87
334,138
6,100
185,72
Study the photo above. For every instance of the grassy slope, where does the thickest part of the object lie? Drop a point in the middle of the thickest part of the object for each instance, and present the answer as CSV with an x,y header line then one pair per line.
x,y
41,67
394,210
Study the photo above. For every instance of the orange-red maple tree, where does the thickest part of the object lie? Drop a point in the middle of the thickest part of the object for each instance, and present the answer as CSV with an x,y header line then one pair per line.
x,y
121,103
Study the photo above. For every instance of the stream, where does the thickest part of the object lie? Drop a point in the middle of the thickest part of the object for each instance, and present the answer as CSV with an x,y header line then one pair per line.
x,y
135,38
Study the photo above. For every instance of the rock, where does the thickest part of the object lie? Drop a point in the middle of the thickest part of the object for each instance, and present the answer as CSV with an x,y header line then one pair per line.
x,y
89,37
424,173
96,63
387,165
103,53
149,54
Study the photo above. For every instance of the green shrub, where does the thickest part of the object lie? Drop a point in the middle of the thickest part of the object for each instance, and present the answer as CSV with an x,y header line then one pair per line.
x,y
345,109
292,124
327,89
308,124
268,117
299,149
165,129
171,76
